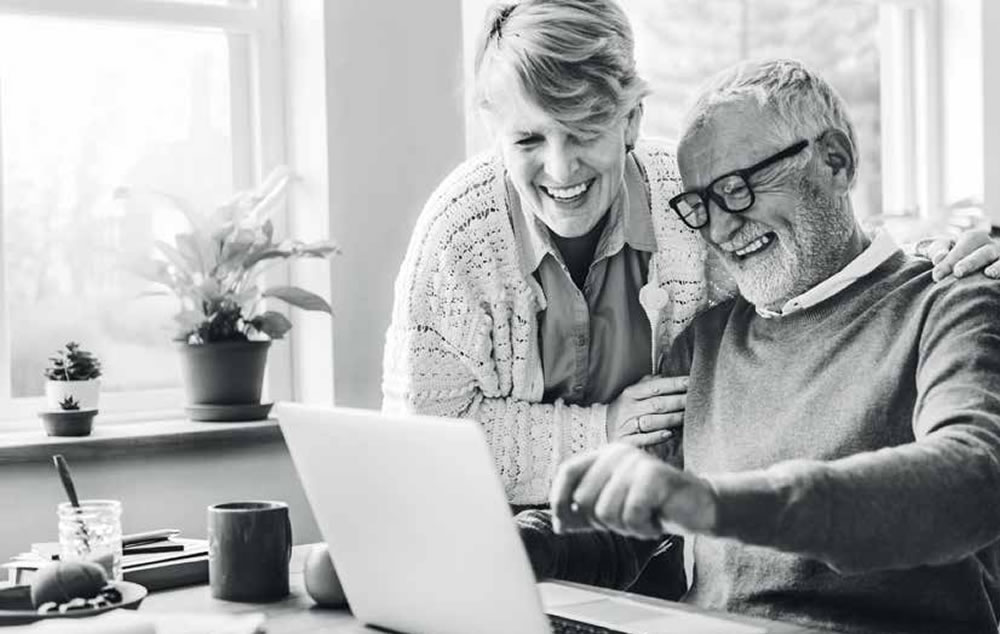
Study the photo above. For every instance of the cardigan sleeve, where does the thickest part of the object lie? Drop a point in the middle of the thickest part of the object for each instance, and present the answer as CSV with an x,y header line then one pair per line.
x,y
431,367
460,325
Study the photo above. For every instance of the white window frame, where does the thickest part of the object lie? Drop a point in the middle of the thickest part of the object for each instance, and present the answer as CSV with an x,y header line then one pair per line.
x,y
258,133
911,109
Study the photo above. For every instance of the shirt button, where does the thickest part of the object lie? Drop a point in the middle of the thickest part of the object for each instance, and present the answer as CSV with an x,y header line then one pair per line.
x,y
578,388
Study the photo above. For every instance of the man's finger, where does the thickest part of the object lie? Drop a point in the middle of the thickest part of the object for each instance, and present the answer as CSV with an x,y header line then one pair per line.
x,y
660,385
593,481
564,484
609,504
977,260
993,270
641,510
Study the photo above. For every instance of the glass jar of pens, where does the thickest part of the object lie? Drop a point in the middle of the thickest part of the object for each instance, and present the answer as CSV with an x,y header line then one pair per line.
x,y
92,531
89,530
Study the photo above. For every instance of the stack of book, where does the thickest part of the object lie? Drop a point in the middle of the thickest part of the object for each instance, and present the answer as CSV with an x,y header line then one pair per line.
x,y
156,559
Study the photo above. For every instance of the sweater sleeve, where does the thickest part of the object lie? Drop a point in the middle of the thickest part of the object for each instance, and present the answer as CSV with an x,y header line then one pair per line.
x,y
455,344
932,501
600,558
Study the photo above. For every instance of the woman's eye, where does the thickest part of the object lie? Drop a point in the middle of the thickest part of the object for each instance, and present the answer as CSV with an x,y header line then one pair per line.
x,y
527,141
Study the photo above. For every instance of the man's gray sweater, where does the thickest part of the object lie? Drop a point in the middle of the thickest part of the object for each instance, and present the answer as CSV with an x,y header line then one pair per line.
x,y
855,448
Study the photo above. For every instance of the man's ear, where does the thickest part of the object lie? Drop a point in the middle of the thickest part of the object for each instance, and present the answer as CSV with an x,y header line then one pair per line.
x,y
632,125
836,153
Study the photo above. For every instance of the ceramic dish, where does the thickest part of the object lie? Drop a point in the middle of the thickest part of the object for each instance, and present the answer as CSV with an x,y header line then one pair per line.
x,y
16,608
228,413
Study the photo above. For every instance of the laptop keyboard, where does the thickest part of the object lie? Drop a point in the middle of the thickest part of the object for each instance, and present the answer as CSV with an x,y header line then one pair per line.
x,y
561,625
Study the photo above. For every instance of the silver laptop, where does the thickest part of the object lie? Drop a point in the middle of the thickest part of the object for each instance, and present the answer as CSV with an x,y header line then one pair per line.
x,y
422,537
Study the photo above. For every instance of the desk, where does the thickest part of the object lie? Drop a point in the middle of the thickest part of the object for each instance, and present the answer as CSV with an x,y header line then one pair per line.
x,y
297,613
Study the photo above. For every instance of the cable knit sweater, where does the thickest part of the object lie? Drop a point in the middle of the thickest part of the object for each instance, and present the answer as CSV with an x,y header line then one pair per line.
x,y
463,340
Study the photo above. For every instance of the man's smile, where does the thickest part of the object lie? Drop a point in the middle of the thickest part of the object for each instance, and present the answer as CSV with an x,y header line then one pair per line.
x,y
755,246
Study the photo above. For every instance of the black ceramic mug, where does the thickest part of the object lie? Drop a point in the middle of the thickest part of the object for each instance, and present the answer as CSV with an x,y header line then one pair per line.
x,y
249,545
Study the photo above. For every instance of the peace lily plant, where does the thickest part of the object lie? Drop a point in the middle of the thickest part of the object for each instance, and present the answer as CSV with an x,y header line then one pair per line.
x,y
224,329
215,268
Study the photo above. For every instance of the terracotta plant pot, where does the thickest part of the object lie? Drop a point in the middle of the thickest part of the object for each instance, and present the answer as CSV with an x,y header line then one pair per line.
x,y
226,373
83,393
73,422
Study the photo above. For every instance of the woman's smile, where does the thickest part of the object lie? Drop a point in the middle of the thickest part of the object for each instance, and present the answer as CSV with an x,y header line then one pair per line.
x,y
570,194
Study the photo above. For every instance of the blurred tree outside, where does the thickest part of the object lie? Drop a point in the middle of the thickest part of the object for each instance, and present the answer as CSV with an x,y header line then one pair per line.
x,y
682,43
87,108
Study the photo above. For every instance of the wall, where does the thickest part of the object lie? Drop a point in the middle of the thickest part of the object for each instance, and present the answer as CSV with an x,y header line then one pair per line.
x,y
395,129
159,488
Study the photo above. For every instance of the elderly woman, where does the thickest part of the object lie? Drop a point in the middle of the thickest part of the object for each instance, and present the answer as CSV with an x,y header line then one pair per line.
x,y
544,280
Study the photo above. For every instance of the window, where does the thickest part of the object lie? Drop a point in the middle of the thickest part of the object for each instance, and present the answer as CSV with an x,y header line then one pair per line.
x,y
161,95
881,56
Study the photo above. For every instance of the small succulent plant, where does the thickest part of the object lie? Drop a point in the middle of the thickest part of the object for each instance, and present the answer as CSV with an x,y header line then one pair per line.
x,y
68,404
73,363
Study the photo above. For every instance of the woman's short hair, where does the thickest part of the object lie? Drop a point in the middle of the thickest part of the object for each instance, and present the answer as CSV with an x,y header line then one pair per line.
x,y
574,58
801,104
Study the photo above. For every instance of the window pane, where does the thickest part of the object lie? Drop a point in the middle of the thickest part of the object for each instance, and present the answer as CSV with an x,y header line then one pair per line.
x,y
86,108
680,43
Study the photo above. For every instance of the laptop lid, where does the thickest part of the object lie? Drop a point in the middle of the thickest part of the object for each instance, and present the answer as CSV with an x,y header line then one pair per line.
x,y
416,520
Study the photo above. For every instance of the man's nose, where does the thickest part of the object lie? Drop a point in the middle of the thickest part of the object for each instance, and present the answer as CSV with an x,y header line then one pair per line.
x,y
722,225
561,162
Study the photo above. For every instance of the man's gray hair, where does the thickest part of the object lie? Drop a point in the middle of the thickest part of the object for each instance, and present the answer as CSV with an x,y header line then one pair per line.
x,y
802,104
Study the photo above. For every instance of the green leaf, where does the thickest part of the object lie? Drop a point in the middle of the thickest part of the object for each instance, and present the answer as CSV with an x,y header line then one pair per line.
x,y
187,247
272,323
299,297
152,270
175,258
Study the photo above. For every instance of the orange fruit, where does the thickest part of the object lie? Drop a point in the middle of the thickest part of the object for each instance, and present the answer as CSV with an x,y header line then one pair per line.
x,y
322,582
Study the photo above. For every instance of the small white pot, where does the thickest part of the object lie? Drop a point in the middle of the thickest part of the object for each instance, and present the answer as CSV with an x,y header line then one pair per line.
x,y
85,393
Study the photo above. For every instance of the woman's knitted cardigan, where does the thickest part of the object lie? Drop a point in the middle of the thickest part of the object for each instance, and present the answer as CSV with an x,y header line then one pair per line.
x,y
463,340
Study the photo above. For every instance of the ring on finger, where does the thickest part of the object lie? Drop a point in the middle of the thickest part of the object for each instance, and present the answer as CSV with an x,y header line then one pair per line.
x,y
638,425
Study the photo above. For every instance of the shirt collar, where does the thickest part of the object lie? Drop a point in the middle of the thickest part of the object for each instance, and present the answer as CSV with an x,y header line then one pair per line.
x,y
880,250
630,222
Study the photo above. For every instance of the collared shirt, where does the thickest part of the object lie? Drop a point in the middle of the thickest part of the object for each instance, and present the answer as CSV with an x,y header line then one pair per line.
x,y
596,342
880,250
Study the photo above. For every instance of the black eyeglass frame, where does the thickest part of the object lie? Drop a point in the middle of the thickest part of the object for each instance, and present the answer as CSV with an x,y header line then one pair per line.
x,y
708,192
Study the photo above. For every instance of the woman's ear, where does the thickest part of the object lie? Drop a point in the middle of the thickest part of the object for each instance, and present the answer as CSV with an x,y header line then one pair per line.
x,y
837,155
632,125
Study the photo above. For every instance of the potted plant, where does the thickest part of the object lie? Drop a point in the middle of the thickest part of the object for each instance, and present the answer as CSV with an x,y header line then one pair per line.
x,y
69,419
224,328
73,376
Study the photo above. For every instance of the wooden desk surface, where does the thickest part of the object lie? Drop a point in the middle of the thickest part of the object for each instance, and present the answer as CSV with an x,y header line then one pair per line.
x,y
298,614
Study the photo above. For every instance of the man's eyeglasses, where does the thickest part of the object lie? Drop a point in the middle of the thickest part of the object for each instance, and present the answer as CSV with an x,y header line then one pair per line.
x,y
731,192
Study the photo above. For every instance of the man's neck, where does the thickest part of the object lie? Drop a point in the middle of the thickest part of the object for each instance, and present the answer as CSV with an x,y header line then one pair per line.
x,y
855,245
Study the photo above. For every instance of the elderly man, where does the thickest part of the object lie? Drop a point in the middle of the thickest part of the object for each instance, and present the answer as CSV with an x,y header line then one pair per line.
x,y
841,449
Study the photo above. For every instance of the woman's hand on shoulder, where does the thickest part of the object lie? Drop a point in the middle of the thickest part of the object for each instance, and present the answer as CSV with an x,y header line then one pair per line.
x,y
648,412
973,251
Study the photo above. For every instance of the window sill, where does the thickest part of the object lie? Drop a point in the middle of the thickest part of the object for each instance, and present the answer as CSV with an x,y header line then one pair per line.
x,y
28,443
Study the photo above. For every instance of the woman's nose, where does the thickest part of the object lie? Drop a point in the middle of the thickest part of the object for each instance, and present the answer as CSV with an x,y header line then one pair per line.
x,y
561,162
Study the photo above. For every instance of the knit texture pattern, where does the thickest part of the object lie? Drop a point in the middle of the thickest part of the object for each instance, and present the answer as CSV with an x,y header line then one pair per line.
x,y
463,338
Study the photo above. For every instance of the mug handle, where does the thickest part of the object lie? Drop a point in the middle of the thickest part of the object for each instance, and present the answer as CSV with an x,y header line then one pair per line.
x,y
288,532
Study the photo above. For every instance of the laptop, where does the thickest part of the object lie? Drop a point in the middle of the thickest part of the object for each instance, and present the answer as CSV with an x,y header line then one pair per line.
x,y
418,526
